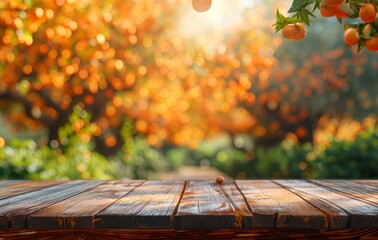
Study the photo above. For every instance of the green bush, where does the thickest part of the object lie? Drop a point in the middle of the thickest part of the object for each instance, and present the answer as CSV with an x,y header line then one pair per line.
x,y
74,157
356,159
342,159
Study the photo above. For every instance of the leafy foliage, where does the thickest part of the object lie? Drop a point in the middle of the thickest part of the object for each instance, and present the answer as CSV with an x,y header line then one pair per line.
x,y
76,158
303,11
341,159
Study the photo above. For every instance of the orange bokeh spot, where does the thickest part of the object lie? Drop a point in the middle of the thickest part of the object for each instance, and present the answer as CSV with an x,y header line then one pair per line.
x,y
301,132
89,99
260,131
110,141
78,90
77,125
27,69
2,142
117,101
111,111
97,131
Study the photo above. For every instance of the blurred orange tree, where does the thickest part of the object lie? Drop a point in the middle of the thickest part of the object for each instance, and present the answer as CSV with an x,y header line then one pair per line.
x,y
120,59
58,54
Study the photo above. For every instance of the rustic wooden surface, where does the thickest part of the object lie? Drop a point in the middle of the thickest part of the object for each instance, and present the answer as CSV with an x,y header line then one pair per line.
x,y
79,211
242,207
151,205
208,205
275,206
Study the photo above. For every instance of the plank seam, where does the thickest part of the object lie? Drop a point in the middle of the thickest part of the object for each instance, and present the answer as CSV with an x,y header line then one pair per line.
x,y
174,213
234,205
27,218
345,194
94,215
365,185
37,189
359,191
328,219
367,182
246,202
326,216
349,219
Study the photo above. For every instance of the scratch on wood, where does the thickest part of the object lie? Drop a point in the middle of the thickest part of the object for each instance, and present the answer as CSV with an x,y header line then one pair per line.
x,y
239,219
96,219
71,221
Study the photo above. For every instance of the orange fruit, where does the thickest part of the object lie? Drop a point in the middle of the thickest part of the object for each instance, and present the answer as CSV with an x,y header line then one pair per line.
x,y
368,13
327,11
372,44
295,31
201,5
341,14
333,3
351,36
220,179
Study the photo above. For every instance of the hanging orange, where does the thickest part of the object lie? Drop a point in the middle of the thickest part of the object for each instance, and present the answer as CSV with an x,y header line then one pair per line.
x,y
351,36
333,3
327,11
372,44
368,13
295,31
201,5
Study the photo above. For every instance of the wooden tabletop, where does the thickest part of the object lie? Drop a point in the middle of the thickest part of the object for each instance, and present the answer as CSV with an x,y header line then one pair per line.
x,y
191,204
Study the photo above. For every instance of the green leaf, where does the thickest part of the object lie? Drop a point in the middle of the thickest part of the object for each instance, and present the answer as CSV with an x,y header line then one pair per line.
x,y
304,17
317,4
310,13
345,7
299,5
279,16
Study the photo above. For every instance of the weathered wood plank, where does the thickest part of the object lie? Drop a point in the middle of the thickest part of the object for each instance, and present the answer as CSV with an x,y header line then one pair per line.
x,y
349,189
360,214
15,210
367,182
78,211
4,183
19,187
151,205
208,205
358,189
336,217
275,206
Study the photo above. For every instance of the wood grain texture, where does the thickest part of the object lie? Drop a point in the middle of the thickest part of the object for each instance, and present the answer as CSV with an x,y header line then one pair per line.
x,y
19,187
361,214
79,211
337,218
4,183
15,210
275,206
368,194
151,205
201,206
209,205
373,183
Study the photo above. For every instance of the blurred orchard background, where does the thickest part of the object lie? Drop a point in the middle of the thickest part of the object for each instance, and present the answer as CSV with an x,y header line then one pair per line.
x,y
140,88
